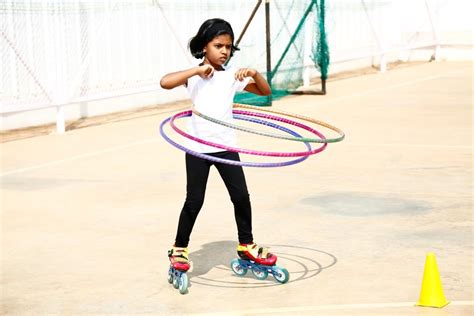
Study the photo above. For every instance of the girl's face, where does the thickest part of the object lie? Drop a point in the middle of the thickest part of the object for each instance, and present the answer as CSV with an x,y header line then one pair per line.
x,y
218,50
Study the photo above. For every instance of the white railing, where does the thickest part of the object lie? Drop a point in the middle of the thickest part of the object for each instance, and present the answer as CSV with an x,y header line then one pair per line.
x,y
56,54
383,27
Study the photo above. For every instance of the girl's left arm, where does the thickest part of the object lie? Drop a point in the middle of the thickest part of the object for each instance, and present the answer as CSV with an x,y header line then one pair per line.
x,y
258,85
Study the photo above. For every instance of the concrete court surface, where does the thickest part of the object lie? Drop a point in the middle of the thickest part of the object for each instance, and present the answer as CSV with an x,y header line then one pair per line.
x,y
87,217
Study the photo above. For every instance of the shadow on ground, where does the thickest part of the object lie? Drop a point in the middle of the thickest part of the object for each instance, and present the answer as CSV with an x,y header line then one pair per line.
x,y
301,262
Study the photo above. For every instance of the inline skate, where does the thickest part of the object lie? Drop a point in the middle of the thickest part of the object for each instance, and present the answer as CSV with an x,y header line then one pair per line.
x,y
179,265
260,261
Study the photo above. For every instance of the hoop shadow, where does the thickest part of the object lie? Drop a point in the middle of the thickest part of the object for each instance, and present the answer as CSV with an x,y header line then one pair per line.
x,y
217,255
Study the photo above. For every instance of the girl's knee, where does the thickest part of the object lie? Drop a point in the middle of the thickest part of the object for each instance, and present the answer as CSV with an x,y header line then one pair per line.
x,y
241,199
193,204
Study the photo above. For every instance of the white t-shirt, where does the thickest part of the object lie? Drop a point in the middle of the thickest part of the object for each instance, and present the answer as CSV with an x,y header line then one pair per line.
x,y
213,97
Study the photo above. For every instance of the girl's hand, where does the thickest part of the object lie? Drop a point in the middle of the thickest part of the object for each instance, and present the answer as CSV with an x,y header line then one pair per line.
x,y
245,72
205,71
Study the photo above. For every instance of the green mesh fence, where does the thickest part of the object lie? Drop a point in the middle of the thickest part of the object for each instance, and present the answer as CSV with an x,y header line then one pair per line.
x,y
320,55
298,48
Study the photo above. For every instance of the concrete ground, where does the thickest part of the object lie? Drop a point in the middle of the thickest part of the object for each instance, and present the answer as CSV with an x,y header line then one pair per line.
x,y
87,217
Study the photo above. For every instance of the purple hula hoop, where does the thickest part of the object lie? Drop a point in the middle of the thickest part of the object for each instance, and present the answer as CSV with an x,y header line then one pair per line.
x,y
232,162
255,152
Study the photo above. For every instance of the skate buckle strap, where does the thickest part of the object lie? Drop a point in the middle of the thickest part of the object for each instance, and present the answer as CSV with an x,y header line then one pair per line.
x,y
263,252
179,254
256,251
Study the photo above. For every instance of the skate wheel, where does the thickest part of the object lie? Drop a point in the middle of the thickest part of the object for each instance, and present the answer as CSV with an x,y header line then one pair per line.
x,y
260,274
170,276
237,268
281,274
183,283
175,281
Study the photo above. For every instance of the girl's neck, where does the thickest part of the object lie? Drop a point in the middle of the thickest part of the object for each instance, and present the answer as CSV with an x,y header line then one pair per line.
x,y
216,67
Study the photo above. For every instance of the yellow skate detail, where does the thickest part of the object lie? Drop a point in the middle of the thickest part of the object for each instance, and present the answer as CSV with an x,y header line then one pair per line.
x,y
254,250
179,254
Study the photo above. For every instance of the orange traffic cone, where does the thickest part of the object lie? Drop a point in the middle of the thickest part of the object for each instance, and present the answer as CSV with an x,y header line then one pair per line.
x,y
431,290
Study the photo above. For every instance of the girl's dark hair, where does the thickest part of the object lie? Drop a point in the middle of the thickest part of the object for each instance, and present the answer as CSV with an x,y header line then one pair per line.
x,y
207,32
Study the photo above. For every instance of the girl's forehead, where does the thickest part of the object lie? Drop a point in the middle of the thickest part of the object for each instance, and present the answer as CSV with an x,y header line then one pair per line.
x,y
223,39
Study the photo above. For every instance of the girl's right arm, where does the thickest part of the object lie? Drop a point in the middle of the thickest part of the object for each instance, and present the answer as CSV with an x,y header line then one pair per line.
x,y
175,79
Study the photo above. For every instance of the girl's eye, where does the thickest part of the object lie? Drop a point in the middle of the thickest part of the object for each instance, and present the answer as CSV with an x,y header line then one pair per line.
x,y
220,46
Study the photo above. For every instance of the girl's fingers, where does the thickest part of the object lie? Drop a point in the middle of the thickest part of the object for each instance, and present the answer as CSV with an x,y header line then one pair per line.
x,y
210,71
207,72
244,72
241,74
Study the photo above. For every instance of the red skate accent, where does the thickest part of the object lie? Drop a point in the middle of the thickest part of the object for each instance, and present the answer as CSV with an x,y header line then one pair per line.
x,y
270,260
179,259
181,266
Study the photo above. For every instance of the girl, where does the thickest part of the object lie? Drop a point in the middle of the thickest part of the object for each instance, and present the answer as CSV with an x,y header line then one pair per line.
x,y
212,87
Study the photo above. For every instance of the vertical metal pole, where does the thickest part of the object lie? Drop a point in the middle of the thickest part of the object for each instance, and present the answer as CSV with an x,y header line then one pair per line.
x,y
248,22
309,28
383,59
60,51
268,48
60,120
93,38
383,63
433,22
322,36
246,26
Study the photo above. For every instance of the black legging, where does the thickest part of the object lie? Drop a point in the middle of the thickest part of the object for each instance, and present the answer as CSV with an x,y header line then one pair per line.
x,y
197,172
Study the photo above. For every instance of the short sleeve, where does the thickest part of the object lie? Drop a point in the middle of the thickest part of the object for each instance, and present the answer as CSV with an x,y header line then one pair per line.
x,y
191,83
240,86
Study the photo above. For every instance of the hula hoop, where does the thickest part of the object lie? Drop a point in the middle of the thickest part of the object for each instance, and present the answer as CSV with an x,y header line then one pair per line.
x,y
254,152
258,132
233,162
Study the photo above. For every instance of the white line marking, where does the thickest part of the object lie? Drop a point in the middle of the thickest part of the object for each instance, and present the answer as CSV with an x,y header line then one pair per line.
x,y
287,310
399,85
86,155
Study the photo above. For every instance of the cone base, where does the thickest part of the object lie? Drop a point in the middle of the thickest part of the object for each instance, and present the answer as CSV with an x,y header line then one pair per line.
x,y
433,305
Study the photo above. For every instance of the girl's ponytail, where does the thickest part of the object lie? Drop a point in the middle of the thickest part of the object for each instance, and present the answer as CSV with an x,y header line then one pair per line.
x,y
196,48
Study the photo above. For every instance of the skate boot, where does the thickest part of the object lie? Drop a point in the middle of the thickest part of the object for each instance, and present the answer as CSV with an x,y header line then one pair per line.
x,y
179,265
260,261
